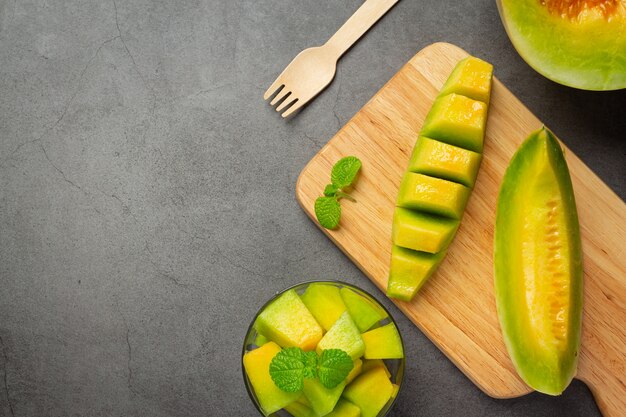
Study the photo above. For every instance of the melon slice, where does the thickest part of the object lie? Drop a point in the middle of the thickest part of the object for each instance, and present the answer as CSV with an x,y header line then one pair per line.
x,y
300,408
471,78
369,364
288,322
322,399
257,366
324,302
432,195
370,392
345,408
409,270
422,232
383,343
438,159
364,313
356,370
343,335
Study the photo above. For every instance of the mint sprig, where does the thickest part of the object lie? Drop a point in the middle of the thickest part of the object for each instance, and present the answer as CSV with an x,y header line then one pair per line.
x,y
290,366
342,176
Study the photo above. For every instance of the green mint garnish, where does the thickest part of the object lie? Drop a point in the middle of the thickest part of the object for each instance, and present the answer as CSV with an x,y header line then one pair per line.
x,y
343,174
334,367
291,365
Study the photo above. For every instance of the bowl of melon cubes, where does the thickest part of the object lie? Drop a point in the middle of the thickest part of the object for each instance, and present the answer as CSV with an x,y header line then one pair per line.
x,y
323,348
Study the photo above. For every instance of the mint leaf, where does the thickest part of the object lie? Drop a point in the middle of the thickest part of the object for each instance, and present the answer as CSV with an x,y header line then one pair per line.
x,y
330,190
310,368
287,369
334,367
345,171
328,212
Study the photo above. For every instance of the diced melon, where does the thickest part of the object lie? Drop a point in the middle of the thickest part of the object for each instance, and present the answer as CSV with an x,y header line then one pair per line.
x,y
260,340
432,195
457,120
257,366
409,270
369,364
370,392
441,160
343,335
472,78
356,370
299,408
422,232
383,343
364,313
288,322
324,302
345,408
322,399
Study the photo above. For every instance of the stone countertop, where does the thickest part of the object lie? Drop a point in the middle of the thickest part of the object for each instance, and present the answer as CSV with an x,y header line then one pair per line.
x,y
147,202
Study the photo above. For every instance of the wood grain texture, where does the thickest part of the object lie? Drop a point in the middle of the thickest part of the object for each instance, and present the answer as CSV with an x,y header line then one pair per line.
x,y
456,307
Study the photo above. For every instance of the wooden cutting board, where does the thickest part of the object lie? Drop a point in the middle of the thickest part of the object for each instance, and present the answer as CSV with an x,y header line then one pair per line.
x,y
456,308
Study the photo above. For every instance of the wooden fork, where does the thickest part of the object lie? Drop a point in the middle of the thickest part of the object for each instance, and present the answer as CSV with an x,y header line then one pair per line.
x,y
314,68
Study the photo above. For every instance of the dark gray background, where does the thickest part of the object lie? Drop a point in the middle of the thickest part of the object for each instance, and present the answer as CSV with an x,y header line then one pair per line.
x,y
147,194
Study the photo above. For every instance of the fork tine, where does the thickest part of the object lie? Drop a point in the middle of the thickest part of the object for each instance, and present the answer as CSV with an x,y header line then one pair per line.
x,y
276,85
286,103
283,94
296,105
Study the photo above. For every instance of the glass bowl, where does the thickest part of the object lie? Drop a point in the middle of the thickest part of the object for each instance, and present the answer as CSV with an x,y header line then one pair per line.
x,y
395,366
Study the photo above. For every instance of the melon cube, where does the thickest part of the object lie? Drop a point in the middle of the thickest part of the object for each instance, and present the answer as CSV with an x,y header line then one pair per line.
x,y
288,322
370,392
409,270
383,343
369,364
472,78
364,313
257,366
324,302
356,370
345,408
343,335
432,195
441,160
422,232
457,120
300,408
322,399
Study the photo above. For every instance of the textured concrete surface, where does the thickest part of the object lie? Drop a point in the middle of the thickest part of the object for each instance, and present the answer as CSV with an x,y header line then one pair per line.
x,y
147,194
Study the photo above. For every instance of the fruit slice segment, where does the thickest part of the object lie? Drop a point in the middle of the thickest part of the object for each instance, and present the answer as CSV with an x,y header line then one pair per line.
x,y
441,160
457,120
409,270
363,312
471,78
288,322
538,265
383,343
370,392
422,232
343,335
257,365
345,408
432,195
322,399
324,302
301,408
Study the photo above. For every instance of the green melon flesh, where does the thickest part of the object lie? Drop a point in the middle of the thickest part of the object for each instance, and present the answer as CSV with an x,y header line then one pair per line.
x,y
422,232
300,409
324,302
409,270
364,313
322,399
538,265
343,335
370,392
432,195
580,44
345,408
383,343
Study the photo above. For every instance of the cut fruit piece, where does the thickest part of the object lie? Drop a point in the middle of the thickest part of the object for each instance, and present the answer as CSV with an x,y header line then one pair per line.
x,y
322,399
409,270
345,408
343,335
370,392
300,409
432,195
356,370
288,322
324,302
369,364
441,160
579,43
364,313
457,120
257,366
383,343
538,265
471,78
260,340
422,232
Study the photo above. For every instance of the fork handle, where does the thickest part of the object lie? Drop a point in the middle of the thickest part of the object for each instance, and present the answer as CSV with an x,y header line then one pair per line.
x,y
363,19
